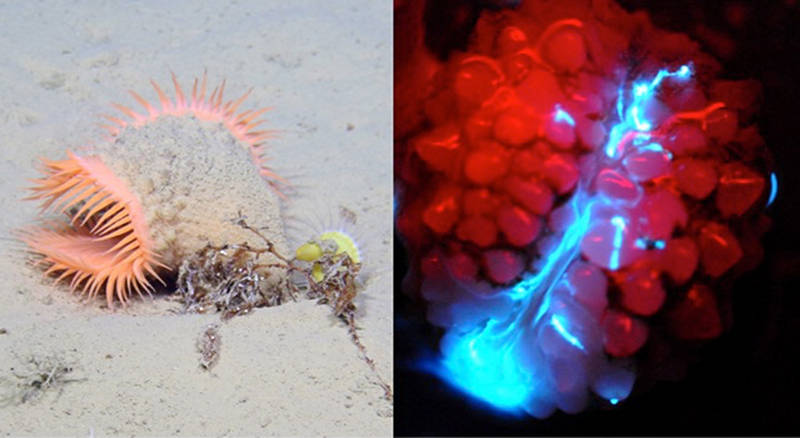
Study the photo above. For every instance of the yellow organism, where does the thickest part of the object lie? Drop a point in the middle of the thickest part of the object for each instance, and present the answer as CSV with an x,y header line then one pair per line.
x,y
313,250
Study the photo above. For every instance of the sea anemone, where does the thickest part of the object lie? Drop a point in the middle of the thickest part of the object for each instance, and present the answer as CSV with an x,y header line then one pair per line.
x,y
242,125
160,187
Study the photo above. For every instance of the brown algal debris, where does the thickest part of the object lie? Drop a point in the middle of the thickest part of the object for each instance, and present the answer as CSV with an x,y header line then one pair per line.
x,y
232,279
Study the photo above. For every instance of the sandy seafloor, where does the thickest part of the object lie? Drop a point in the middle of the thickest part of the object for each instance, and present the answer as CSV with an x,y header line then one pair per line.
x,y
289,370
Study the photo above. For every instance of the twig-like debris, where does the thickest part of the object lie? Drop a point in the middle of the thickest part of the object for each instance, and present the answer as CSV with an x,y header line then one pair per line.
x,y
40,376
351,328
208,345
230,280
240,221
338,288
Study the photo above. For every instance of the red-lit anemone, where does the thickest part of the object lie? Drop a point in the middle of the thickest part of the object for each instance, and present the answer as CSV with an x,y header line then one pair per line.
x,y
572,182
163,185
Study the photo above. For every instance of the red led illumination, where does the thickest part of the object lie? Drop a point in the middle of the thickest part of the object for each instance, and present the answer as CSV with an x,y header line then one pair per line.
x,y
513,130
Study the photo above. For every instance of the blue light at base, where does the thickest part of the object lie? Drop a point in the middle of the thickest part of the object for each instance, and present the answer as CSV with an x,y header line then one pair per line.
x,y
484,361
481,364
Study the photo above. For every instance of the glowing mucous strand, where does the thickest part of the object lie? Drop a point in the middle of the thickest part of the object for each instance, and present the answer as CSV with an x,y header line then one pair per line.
x,y
508,145
544,346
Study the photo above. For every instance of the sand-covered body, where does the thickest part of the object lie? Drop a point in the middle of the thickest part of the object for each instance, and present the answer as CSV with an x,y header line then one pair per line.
x,y
152,209
193,179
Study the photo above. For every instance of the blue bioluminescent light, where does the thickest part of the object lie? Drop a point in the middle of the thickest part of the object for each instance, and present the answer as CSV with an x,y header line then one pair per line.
x,y
773,191
614,137
685,72
644,243
638,122
489,361
558,260
633,118
620,104
559,326
563,116
482,364
619,224
656,147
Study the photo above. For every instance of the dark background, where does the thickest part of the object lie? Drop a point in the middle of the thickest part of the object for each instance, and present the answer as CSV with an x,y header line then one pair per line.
x,y
748,381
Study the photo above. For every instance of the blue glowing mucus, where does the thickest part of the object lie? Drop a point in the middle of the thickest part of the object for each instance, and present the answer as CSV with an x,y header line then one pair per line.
x,y
773,191
614,138
684,72
572,237
483,362
620,104
481,365
563,116
633,119
645,243
641,138
559,326
641,125
619,223
656,147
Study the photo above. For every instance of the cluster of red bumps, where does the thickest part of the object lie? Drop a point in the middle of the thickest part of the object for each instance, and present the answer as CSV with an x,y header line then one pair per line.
x,y
509,135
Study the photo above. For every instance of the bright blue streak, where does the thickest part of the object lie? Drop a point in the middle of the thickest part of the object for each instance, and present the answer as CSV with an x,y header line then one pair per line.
x,y
554,264
619,223
641,125
563,116
773,182
633,118
614,137
484,362
556,321
656,147
684,72
620,104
